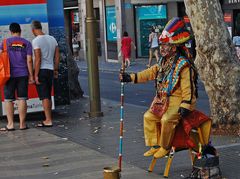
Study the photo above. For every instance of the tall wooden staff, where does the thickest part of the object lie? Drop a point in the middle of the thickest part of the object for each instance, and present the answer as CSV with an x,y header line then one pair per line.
x,y
121,119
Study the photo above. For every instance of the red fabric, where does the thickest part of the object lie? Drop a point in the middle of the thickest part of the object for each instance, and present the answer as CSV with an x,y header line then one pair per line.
x,y
126,47
182,134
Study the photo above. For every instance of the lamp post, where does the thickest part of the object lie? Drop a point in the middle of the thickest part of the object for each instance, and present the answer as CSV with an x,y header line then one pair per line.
x,y
92,59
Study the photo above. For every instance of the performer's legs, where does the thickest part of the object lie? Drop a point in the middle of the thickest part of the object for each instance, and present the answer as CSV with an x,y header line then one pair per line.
x,y
169,122
151,132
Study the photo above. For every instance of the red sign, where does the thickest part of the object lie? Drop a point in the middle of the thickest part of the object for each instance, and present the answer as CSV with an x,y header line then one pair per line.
x,y
227,17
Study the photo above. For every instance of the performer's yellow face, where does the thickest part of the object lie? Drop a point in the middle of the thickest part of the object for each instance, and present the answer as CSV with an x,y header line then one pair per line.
x,y
167,50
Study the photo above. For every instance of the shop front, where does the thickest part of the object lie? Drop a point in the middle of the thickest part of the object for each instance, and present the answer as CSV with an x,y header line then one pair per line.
x,y
231,11
138,17
110,29
146,18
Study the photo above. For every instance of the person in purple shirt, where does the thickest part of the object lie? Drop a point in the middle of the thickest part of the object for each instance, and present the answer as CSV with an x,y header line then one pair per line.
x,y
21,67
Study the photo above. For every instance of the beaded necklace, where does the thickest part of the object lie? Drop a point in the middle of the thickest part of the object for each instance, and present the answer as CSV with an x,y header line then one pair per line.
x,y
165,68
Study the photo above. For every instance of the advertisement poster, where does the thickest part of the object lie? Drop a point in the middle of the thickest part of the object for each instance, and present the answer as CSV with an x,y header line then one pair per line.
x,y
23,12
111,23
57,30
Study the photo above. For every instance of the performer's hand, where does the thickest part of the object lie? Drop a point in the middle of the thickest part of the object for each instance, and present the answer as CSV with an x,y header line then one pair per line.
x,y
183,112
124,77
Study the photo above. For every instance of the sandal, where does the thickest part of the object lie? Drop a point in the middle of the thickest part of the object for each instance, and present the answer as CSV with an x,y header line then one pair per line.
x,y
25,128
7,129
44,125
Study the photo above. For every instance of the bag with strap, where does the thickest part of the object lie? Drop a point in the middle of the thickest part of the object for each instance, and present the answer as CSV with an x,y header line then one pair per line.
x,y
159,106
4,64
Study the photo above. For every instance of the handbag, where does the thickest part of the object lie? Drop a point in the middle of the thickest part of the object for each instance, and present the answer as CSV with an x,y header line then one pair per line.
x,y
4,64
159,106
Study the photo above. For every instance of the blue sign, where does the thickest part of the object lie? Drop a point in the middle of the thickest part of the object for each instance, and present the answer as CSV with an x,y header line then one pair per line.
x,y
151,12
111,23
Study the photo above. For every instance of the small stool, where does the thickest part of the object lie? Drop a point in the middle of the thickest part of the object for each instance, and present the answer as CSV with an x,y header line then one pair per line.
x,y
200,135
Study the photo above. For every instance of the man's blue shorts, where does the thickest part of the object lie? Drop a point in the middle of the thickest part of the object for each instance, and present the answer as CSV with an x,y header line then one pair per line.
x,y
16,85
45,77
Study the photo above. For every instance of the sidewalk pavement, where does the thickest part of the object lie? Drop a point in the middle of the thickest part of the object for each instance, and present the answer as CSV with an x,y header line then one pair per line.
x,y
78,147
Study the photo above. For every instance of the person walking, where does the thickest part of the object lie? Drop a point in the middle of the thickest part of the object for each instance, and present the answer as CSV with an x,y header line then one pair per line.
x,y
46,52
153,46
21,67
75,45
176,88
126,44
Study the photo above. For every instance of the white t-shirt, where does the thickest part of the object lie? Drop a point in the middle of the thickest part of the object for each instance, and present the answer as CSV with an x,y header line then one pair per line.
x,y
47,44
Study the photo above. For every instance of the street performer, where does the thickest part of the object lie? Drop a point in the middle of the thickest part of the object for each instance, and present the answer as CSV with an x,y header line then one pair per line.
x,y
176,88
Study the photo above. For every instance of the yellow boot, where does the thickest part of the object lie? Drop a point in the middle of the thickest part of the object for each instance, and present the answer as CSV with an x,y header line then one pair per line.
x,y
150,152
161,153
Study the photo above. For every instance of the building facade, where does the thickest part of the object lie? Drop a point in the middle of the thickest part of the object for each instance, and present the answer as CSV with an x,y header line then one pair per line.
x,y
138,16
231,11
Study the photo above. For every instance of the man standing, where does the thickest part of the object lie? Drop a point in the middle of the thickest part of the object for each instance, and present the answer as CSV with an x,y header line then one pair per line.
x,y
46,54
21,66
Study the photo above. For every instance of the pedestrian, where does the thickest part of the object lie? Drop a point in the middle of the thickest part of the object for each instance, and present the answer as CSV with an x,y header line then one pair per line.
x,y
75,45
126,44
47,56
236,43
153,46
21,67
176,88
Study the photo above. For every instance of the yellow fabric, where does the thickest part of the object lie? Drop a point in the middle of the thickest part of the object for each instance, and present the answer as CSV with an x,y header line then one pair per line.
x,y
150,152
161,153
183,96
146,75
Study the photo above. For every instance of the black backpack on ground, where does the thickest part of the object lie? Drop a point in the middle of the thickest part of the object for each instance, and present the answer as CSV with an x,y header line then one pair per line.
x,y
206,167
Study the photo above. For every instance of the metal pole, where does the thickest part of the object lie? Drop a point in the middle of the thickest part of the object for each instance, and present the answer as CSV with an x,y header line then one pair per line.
x,y
92,59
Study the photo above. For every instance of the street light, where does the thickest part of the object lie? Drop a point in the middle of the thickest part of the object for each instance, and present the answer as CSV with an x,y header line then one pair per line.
x,y
92,59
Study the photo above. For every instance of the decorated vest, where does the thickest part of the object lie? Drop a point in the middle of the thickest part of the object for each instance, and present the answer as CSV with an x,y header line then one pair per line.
x,y
167,80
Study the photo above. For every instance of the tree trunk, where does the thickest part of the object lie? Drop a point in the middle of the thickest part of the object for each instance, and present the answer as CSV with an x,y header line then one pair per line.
x,y
216,60
76,91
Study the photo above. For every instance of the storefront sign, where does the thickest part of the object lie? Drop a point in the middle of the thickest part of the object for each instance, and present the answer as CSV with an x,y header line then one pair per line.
x,y
151,12
231,1
227,17
111,23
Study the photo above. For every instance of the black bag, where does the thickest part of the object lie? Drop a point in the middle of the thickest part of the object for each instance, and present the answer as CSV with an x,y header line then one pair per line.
x,y
207,167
